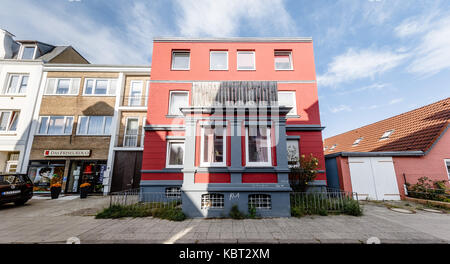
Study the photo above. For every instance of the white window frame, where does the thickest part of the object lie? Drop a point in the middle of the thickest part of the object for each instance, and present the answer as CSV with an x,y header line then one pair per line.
x,y
10,121
173,192
103,126
172,60
55,86
108,86
447,161
294,102
130,97
144,120
23,49
260,199
19,83
357,141
38,132
298,149
170,141
254,60
387,134
291,68
125,132
170,101
269,154
147,89
211,52
224,147
206,198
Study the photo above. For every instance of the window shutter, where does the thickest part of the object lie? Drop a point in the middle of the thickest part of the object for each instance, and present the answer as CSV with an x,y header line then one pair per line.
x,y
51,86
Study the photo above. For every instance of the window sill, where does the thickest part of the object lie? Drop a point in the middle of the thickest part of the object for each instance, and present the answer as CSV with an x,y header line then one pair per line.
x,y
47,135
8,133
284,69
99,95
246,69
13,95
180,69
174,116
292,116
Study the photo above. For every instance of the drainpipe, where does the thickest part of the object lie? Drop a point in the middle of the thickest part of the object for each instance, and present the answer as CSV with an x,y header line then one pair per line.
x,y
404,185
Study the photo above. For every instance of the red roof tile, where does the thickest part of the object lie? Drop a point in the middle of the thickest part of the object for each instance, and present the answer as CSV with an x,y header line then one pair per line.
x,y
413,131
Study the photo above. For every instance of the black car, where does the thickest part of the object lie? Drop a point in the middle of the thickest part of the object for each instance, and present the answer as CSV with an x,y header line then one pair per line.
x,y
15,188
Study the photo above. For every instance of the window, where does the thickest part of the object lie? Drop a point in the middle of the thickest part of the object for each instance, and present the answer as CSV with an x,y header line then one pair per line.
x,y
55,125
287,98
213,201
213,146
173,192
259,201
66,86
218,60
135,93
387,134
447,165
357,141
17,84
8,121
144,121
180,60
258,146
246,60
333,147
28,52
293,152
175,154
100,87
94,125
283,60
130,138
177,100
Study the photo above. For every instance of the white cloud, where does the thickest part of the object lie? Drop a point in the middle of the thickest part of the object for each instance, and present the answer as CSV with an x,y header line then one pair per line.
x,y
432,54
395,101
340,108
222,18
359,64
372,87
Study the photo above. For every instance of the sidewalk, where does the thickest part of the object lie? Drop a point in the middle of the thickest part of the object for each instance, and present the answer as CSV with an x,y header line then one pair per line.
x,y
54,221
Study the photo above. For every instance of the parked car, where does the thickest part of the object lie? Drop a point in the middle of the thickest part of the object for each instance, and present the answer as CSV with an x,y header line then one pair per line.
x,y
15,188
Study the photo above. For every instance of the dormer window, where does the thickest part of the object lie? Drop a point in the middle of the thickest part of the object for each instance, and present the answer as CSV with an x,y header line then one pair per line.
x,y
28,52
387,134
357,141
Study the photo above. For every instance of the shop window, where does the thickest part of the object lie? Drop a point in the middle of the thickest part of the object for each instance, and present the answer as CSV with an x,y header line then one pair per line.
x,y
287,98
218,60
283,60
175,154
55,125
45,173
178,99
293,152
258,146
246,60
213,146
181,60
91,172
131,132
135,97
260,201
66,86
17,84
8,121
100,87
94,125
173,192
213,201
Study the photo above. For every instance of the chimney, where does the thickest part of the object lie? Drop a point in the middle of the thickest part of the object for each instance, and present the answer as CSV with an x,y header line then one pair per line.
x,y
8,47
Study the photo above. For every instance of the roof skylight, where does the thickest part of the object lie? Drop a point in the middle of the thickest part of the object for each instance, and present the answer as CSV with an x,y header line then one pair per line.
x,y
387,134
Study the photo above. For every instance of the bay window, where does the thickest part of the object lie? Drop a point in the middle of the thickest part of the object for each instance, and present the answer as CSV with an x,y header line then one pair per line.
x,y
258,150
213,146
55,125
94,125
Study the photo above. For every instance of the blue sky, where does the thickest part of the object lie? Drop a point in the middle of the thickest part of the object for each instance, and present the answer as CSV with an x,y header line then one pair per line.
x,y
374,58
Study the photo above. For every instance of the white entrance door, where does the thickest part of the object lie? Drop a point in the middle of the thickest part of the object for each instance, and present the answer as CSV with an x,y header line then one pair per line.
x,y
374,178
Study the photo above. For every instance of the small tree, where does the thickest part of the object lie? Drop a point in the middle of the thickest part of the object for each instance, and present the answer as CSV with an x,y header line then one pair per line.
x,y
303,170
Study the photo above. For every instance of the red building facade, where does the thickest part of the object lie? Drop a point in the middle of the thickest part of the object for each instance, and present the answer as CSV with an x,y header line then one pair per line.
x,y
223,117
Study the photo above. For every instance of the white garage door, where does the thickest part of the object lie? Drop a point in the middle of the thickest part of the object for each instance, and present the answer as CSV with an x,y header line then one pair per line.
x,y
374,178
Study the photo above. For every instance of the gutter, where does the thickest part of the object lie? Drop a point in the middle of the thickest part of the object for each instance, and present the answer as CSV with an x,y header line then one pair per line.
x,y
376,154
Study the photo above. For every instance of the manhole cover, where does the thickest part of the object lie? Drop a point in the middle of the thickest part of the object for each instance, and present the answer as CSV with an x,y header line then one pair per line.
x,y
432,211
403,211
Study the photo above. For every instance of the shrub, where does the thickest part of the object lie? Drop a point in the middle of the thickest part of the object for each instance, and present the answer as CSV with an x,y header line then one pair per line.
x,y
351,207
252,212
235,213
297,211
119,211
303,170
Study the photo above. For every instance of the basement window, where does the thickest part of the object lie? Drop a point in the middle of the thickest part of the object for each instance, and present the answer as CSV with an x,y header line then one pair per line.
x,y
259,201
357,141
173,192
213,201
387,134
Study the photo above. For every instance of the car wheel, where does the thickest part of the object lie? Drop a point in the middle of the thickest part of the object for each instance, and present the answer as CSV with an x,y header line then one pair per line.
x,y
20,202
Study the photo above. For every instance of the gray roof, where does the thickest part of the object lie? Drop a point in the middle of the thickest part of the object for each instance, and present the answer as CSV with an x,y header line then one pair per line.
x,y
53,53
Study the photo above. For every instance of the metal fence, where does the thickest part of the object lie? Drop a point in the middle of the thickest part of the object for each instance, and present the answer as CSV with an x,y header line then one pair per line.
x,y
331,200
